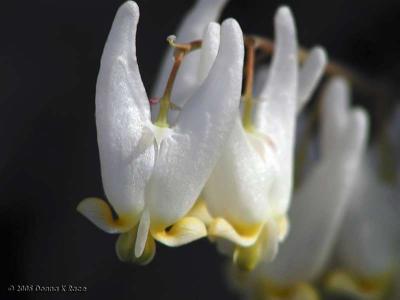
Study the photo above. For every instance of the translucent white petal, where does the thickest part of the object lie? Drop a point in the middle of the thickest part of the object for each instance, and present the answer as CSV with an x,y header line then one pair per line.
x,y
319,207
280,91
122,117
238,187
209,51
334,114
275,115
191,28
260,80
99,213
187,158
310,75
143,229
369,242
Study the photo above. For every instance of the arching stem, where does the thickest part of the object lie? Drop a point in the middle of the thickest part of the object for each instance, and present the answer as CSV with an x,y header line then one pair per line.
x,y
165,102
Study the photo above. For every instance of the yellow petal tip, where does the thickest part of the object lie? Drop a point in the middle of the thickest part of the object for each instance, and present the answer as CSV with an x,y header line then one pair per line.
x,y
247,258
246,237
100,214
363,288
186,230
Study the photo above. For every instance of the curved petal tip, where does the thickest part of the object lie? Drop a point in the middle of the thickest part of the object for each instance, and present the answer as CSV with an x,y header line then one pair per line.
x,y
221,228
100,214
129,7
186,230
284,17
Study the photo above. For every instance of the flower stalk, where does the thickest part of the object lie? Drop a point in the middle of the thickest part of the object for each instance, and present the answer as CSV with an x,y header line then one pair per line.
x,y
165,102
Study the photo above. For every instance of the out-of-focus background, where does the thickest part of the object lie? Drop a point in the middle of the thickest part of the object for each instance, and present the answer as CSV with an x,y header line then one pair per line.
x,y
49,59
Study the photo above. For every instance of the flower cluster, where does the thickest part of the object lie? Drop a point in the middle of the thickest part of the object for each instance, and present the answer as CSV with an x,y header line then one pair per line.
x,y
201,159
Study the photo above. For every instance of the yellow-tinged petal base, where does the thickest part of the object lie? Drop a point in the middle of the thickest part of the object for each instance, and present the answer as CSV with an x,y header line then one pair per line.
x,y
199,211
125,248
375,288
253,243
244,236
266,289
99,213
186,230
247,258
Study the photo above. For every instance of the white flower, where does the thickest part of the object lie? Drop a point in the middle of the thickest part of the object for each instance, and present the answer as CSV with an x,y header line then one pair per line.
x,y
249,191
368,251
320,204
153,175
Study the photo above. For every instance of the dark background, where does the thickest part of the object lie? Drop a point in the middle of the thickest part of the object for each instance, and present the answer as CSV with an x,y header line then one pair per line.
x,y
49,59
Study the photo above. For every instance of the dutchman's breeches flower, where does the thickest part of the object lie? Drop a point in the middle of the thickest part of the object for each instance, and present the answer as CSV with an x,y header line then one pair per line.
x,y
368,251
319,205
249,191
153,173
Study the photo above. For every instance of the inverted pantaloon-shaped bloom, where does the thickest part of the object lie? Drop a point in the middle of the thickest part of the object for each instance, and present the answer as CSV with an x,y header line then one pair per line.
x,y
153,175
249,190
368,251
319,205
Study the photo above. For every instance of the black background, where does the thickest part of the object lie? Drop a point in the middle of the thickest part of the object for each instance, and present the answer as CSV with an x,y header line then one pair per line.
x,y
49,58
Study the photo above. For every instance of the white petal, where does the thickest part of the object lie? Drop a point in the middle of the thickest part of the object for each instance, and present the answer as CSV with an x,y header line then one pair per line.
x,y
191,28
353,140
143,230
310,75
369,243
260,80
275,115
209,51
99,213
241,179
319,207
280,92
122,117
187,158
334,114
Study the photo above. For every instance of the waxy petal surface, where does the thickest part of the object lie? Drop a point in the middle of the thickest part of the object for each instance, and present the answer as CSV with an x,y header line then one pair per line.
x,y
123,117
187,157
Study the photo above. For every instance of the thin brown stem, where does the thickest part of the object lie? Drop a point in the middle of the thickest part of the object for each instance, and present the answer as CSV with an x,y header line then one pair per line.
x,y
165,102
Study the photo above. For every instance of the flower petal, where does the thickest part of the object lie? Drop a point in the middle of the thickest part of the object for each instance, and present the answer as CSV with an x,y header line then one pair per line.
x,y
279,95
209,51
142,232
373,218
245,237
310,75
187,157
334,114
276,113
243,176
325,193
99,213
125,248
261,78
186,230
191,28
123,117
